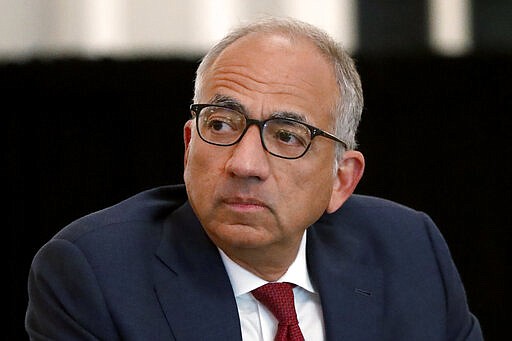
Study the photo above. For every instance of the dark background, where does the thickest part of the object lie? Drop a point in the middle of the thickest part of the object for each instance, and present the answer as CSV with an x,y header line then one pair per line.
x,y
83,134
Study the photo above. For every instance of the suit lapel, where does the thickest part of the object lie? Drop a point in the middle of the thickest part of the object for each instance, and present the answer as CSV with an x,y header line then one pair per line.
x,y
191,282
350,292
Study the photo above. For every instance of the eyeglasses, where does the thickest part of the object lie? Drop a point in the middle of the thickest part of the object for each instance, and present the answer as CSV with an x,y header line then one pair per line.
x,y
282,137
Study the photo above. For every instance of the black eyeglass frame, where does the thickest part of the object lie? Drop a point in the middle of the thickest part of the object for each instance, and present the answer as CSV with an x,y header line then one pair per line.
x,y
196,110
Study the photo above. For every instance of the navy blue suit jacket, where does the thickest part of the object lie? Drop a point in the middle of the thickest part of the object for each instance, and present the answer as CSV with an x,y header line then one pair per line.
x,y
145,270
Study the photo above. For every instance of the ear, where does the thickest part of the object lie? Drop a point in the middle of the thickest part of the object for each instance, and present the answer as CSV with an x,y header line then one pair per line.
x,y
348,174
187,136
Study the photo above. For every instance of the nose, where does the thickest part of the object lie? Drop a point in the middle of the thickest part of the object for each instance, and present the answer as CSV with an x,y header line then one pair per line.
x,y
249,159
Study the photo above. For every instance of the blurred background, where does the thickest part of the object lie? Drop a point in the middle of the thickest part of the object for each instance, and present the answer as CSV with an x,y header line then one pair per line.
x,y
96,92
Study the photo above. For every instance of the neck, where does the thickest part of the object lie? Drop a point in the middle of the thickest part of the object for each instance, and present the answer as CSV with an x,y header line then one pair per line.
x,y
269,263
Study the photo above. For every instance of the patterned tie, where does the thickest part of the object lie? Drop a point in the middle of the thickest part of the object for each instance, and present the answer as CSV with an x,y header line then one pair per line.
x,y
278,298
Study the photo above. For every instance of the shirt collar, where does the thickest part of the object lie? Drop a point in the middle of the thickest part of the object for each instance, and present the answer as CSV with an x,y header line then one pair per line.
x,y
243,281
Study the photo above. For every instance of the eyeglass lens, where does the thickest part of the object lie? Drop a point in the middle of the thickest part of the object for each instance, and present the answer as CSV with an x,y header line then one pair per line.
x,y
280,136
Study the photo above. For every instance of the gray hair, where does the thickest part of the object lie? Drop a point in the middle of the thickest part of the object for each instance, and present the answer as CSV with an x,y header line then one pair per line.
x,y
348,106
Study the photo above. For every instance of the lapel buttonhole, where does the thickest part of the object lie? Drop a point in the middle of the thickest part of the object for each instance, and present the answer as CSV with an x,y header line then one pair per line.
x,y
362,292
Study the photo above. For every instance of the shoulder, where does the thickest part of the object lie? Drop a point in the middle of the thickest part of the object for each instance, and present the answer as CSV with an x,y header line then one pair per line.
x,y
401,255
369,211
125,235
371,203
375,229
145,208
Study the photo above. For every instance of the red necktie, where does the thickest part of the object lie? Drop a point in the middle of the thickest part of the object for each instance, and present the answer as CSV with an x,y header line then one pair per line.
x,y
278,298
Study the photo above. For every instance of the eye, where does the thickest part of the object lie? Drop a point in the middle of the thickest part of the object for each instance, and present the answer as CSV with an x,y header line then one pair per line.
x,y
287,133
221,120
287,137
218,124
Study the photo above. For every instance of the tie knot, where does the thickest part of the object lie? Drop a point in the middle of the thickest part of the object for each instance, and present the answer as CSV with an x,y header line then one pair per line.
x,y
278,298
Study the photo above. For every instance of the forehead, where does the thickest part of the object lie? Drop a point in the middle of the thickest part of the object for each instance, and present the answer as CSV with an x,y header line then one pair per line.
x,y
265,70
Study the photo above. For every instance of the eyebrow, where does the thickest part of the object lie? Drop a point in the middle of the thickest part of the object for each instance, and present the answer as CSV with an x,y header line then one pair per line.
x,y
234,104
229,102
289,114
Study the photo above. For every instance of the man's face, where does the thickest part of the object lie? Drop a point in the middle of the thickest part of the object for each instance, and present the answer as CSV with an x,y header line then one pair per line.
x,y
244,197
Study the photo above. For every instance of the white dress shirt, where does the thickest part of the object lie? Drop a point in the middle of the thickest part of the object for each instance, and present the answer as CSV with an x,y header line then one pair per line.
x,y
256,321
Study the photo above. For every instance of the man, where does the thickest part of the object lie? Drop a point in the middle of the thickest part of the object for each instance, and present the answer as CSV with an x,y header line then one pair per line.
x,y
270,171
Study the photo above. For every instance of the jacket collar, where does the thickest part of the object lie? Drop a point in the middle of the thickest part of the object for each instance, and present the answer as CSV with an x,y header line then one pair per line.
x,y
351,292
192,284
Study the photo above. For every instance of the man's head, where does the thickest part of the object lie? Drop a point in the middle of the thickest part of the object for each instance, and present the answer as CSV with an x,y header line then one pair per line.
x,y
254,205
349,102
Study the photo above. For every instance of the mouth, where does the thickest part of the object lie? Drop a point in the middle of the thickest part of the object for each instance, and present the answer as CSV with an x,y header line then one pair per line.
x,y
245,204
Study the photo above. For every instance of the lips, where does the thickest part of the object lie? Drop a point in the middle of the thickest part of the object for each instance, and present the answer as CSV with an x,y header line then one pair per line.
x,y
244,203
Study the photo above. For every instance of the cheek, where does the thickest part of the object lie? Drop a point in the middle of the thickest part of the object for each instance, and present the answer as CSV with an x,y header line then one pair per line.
x,y
198,163
314,173
203,170
316,189
305,194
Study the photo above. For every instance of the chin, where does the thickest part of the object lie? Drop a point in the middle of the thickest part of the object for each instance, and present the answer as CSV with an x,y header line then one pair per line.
x,y
239,236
